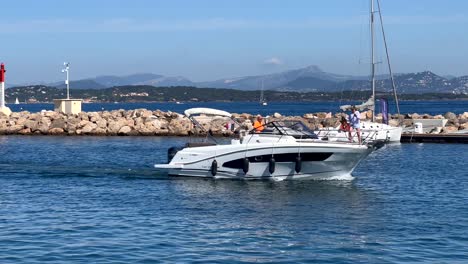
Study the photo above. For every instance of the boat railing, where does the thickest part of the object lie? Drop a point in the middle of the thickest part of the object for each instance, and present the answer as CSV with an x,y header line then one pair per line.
x,y
334,134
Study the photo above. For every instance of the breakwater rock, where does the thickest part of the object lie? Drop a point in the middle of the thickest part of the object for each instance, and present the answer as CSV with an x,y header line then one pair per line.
x,y
142,122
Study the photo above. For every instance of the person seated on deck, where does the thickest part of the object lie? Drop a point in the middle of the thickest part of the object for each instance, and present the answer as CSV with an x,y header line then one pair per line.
x,y
258,124
344,125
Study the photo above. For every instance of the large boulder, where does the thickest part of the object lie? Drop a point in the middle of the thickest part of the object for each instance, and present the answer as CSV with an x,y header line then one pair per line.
x,y
322,115
88,128
24,131
158,113
31,124
114,126
277,115
179,126
309,116
102,123
15,115
94,117
51,114
450,129
56,131
84,123
100,131
463,126
58,123
130,122
408,122
14,129
21,121
125,130
330,122
74,121
463,116
42,128
83,116
393,122
450,115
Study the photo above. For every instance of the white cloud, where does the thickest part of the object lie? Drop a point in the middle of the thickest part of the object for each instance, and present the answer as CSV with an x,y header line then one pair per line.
x,y
273,61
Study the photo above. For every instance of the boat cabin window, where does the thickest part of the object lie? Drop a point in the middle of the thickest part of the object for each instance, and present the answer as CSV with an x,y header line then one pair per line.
x,y
297,129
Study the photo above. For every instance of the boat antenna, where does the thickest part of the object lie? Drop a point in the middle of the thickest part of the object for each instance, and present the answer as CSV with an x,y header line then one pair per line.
x,y
388,61
372,57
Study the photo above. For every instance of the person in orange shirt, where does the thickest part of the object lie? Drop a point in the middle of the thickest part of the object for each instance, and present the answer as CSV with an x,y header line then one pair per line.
x,y
258,124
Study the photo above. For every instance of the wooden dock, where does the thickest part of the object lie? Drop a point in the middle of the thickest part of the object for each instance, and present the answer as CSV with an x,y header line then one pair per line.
x,y
434,138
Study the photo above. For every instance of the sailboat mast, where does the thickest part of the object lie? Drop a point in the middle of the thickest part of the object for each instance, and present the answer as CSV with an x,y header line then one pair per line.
x,y
388,60
261,94
372,57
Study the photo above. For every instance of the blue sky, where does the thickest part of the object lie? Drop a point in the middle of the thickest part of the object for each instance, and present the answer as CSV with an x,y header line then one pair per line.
x,y
211,39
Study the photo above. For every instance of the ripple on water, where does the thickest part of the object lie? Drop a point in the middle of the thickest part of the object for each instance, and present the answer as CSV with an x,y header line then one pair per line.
x,y
67,199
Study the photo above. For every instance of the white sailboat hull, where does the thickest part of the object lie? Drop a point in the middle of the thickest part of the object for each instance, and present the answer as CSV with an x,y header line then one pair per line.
x,y
370,131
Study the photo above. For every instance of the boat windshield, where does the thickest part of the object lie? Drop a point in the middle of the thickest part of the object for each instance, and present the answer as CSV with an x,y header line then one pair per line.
x,y
294,128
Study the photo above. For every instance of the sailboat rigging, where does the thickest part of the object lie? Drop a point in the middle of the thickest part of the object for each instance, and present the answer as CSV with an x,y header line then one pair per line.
x,y
378,130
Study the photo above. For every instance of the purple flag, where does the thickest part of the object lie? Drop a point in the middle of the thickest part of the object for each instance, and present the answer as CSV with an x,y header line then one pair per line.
x,y
384,110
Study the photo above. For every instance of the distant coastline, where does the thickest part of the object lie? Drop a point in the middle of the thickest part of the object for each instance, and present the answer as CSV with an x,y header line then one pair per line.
x,y
145,93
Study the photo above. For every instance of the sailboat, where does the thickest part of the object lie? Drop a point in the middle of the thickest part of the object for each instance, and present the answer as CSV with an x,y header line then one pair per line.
x,y
371,130
262,97
16,101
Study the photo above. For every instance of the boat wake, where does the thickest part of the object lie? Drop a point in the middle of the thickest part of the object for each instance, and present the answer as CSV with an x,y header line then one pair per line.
x,y
344,177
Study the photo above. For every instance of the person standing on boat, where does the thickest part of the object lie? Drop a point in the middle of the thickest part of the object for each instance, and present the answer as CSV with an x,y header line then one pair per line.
x,y
258,124
355,121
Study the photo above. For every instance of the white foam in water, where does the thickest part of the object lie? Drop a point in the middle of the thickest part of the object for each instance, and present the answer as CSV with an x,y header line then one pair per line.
x,y
343,177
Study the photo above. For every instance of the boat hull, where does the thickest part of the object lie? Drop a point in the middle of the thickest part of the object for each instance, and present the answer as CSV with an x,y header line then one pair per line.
x,y
369,132
316,162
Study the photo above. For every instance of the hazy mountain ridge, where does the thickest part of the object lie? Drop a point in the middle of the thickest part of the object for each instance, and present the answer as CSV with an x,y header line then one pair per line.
x,y
308,79
421,82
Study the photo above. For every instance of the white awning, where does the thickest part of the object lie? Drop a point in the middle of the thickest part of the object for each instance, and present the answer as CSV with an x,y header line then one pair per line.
x,y
369,104
206,111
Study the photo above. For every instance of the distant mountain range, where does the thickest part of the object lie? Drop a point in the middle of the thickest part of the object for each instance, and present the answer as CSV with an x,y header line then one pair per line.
x,y
308,79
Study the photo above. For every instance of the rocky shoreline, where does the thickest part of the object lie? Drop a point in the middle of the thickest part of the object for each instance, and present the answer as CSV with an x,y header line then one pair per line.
x,y
143,122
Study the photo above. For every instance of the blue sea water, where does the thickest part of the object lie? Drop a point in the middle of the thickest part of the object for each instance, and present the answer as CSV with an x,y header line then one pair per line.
x,y
285,108
98,200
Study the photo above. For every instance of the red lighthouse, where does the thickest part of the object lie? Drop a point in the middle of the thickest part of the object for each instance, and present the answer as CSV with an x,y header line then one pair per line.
x,y
2,72
3,109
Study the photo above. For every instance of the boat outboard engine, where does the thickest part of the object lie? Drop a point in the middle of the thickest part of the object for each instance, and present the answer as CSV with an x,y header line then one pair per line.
x,y
171,152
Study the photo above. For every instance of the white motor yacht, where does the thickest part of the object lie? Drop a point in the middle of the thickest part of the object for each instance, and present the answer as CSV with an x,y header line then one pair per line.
x,y
284,150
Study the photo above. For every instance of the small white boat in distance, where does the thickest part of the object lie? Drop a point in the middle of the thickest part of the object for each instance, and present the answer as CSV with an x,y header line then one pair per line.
x,y
16,101
283,150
